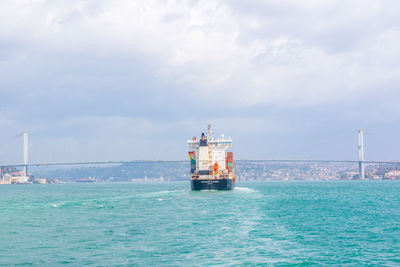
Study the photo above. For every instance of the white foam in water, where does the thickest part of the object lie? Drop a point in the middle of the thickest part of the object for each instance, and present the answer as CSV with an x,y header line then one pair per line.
x,y
162,193
55,205
244,189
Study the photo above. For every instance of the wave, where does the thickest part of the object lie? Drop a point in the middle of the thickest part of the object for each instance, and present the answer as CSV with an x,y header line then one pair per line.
x,y
245,189
161,193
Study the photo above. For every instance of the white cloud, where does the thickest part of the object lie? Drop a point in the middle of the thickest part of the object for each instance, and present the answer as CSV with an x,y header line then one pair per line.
x,y
294,53
92,67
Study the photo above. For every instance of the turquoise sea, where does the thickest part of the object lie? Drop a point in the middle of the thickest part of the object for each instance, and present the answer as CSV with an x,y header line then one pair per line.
x,y
286,223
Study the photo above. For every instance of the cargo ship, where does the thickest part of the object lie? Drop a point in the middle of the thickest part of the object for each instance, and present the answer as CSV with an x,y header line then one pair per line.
x,y
211,166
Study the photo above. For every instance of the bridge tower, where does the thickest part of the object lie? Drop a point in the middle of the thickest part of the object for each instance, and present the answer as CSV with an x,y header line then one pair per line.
x,y
25,134
361,154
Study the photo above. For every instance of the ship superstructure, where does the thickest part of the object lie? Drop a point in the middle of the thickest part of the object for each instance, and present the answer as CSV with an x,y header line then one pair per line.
x,y
211,165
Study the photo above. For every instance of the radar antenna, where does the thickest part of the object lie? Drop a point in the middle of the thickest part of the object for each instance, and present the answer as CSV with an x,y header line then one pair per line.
x,y
210,135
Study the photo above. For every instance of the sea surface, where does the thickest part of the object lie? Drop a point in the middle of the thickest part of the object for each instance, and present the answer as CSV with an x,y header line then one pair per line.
x,y
285,223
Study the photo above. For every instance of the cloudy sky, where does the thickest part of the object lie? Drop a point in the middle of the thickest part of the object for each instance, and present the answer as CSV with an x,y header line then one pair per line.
x,y
133,79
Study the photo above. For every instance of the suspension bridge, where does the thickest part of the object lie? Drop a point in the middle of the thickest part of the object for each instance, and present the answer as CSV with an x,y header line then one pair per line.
x,y
361,159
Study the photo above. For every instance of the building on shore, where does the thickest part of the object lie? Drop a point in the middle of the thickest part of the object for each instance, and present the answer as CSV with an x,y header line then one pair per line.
x,y
5,179
392,175
39,180
13,179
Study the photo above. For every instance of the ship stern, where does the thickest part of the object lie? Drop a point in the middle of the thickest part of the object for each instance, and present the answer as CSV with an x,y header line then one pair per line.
x,y
213,184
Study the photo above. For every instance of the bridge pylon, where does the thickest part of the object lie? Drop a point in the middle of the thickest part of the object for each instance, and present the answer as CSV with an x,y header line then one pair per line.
x,y
361,154
25,134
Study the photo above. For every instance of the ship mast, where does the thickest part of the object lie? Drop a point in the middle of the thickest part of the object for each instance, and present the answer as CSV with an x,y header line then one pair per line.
x,y
210,135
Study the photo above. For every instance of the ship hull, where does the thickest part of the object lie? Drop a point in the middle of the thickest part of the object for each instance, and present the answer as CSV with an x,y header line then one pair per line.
x,y
208,184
